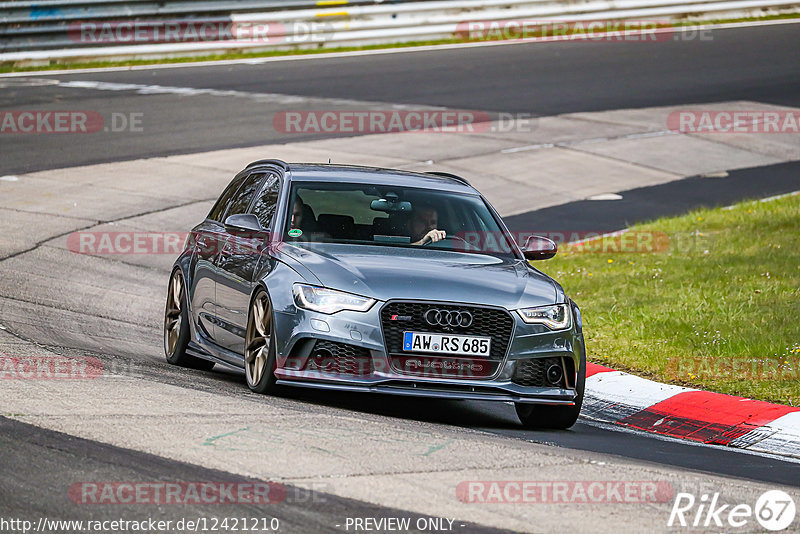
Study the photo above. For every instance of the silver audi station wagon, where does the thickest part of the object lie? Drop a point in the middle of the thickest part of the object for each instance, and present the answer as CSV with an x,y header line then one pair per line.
x,y
378,281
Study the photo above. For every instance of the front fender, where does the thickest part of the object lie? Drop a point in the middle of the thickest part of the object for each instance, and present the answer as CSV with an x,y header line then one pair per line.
x,y
278,283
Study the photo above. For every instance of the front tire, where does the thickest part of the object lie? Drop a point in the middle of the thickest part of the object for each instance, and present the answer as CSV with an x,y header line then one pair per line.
x,y
259,347
553,417
176,326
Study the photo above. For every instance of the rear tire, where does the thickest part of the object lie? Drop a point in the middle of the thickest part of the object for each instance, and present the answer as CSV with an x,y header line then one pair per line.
x,y
176,327
259,345
554,417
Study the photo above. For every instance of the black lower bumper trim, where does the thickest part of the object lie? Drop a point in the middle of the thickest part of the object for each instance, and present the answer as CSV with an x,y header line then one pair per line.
x,y
433,392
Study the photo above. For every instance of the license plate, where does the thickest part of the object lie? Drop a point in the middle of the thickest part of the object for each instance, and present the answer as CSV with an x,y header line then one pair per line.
x,y
446,344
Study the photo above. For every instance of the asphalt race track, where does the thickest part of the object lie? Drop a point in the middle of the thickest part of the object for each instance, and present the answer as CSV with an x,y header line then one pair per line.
x,y
151,421
665,200
61,458
538,79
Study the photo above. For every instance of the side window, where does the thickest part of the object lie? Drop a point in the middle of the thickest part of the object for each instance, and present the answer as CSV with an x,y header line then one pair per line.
x,y
267,201
241,200
222,203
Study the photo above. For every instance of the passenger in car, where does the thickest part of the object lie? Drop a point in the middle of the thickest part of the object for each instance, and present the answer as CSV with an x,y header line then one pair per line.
x,y
297,213
303,218
422,225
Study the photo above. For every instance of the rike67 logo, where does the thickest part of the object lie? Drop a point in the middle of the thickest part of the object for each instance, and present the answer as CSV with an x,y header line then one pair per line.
x,y
774,510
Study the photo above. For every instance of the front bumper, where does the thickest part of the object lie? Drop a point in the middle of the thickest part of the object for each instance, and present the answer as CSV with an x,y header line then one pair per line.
x,y
298,330
489,392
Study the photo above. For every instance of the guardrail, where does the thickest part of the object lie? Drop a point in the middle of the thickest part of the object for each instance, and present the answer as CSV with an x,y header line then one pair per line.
x,y
59,10
70,30
26,25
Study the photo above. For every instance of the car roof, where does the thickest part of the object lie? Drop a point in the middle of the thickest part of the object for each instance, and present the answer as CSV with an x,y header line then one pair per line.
x,y
328,172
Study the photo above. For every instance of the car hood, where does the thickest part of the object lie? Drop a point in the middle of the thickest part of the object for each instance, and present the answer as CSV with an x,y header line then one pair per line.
x,y
388,273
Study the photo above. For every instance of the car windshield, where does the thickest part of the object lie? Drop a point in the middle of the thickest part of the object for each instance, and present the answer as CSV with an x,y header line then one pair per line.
x,y
393,216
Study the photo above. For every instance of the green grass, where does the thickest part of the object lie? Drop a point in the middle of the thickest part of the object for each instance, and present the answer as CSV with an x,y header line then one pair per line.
x,y
717,309
68,64
56,65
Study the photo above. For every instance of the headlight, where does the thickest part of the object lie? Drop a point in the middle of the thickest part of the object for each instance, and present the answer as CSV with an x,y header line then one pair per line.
x,y
557,317
324,300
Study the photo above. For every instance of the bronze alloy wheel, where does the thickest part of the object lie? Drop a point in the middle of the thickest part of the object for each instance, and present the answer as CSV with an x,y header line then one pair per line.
x,y
176,326
259,350
173,316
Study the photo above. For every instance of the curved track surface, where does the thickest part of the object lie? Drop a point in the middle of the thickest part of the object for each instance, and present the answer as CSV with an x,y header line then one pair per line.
x,y
541,79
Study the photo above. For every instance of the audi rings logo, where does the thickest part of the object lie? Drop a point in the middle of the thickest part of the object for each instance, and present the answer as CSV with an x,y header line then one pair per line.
x,y
436,317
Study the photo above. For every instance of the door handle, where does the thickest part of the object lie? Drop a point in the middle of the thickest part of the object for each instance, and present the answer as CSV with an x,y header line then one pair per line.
x,y
227,251
202,242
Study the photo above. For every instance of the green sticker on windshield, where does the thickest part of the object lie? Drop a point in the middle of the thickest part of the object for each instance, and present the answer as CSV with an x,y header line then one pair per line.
x,y
295,232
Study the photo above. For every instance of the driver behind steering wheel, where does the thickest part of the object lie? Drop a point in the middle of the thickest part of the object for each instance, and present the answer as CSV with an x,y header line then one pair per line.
x,y
422,226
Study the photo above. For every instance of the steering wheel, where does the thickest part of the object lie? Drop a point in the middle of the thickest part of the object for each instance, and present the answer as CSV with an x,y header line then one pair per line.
x,y
451,237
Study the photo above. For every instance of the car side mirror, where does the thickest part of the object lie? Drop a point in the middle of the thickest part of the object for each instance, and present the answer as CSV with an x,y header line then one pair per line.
x,y
243,222
539,248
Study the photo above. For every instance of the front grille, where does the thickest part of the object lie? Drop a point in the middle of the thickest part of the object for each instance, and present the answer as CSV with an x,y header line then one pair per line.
x,y
533,372
334,358
492,322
